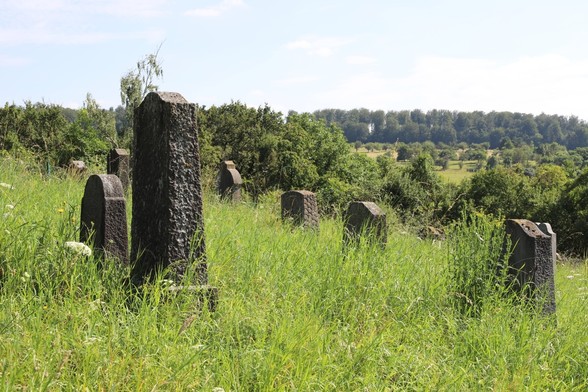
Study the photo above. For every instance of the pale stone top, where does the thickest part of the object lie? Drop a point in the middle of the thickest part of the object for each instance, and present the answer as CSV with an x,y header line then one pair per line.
x,y
530,228
169,96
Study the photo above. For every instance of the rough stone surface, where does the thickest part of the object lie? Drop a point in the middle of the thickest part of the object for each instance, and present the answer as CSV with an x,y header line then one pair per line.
x,y
364,217
229,182
548,230
77,167
118,163
104,216
301,207
167,228
531,264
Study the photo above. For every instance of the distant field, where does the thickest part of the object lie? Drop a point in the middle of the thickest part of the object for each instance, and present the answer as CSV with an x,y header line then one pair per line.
x,y
453,175
373,153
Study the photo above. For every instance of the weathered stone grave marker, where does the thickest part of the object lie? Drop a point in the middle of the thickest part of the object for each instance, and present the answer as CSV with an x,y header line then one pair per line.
x,y
167,228
77,168
229,182
118,164
547,229
364,217
531,265
301,207
104,217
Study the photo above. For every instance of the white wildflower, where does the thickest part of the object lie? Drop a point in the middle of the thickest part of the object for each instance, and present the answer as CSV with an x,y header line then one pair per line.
x,y
79,248
167,282
5,185
10,206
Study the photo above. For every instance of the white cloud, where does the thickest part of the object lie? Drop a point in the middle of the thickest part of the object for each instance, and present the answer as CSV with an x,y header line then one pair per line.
x,y
296,80
319,46
43,8
70,21
370,90
360,60
215,10
43,35
549,83
10,61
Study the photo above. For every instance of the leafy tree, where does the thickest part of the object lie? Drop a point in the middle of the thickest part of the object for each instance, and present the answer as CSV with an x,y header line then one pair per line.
x,y
408,151
245,135
417,192
500,192
570,215
492,162
10,118
136,84
102,121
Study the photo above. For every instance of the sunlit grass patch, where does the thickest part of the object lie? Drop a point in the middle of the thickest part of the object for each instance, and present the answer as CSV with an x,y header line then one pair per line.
x,y
297,310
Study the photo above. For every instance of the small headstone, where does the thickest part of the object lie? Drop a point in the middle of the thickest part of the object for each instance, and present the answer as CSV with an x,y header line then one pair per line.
x,y
531,264
77,167
229,182
104,216
167,228
365,218
301,207
118,164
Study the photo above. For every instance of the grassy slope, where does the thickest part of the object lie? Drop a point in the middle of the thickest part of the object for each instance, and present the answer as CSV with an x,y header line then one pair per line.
x,y
296,312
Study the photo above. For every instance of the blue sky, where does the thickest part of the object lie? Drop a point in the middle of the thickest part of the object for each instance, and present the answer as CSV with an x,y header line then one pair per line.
x,y
526,56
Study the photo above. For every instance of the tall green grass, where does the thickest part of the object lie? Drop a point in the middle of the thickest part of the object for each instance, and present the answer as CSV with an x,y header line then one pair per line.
x,y
297,311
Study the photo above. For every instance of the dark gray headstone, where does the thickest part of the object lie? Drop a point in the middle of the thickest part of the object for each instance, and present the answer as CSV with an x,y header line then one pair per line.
x,y
548,230
301,207
531,262
229,182
118,164
167,229
104,216
365,218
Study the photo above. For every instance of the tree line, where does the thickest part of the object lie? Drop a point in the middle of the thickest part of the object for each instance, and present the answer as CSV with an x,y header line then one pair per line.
x,y
453,127
276,152
300,151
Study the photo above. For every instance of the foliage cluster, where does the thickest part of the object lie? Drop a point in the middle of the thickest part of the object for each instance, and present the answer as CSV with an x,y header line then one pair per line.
x,y
56,135
444,126
298,152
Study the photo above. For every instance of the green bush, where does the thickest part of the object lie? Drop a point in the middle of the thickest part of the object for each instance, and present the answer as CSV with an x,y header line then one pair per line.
x,y
417,192
569,216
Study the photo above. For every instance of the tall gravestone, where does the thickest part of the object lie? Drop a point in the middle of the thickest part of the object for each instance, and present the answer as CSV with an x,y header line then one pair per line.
x,y
301,207
531,265
547,229
118,164
364,217
104,217
167,229
229,182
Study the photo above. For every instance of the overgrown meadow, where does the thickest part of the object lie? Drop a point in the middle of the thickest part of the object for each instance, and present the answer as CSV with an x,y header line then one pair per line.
x,y
296,310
